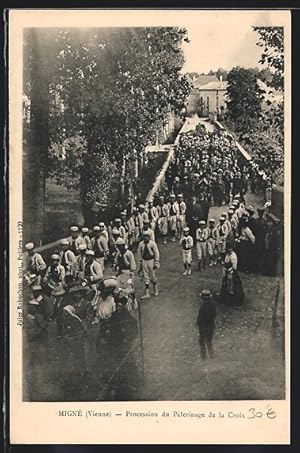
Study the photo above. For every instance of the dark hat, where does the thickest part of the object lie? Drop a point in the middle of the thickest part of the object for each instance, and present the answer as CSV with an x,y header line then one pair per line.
x,y
205,294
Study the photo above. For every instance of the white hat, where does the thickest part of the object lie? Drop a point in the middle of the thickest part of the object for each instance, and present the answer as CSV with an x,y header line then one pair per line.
x,y
58,291
64,242
117,220
84,229
180,195
71,310
172,195
36,287
74,229
142,206
90,252
55,256
202,222
186,229
222,218
82,247
111,282
120,241
34,302
101,224
212,220
115,230
123,213
29,246
96,228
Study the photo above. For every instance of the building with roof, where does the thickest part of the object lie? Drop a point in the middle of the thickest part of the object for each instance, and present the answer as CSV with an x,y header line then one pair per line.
x,y
208,96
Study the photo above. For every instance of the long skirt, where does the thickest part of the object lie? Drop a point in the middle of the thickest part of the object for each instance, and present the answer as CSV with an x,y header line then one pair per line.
x,y
246,255
232,292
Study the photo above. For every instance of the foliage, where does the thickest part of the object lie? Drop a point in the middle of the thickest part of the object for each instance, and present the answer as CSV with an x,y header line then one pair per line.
x,y
271,39
111,91
244,98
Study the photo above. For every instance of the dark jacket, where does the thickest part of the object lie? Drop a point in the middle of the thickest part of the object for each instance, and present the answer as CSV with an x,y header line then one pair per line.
x,y
207,315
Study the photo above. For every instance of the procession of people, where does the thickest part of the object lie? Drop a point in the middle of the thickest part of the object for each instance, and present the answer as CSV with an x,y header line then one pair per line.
x,y
87,286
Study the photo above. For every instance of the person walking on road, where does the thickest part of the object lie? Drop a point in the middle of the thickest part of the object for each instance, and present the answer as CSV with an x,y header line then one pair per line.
x,y
148,257
187,243
206,324
201,244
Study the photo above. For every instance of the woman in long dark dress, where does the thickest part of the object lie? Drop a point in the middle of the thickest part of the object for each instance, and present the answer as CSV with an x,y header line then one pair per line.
x,y
232,292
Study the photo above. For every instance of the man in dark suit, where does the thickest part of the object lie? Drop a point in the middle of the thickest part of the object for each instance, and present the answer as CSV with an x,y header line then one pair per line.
x,y
206,324
194,214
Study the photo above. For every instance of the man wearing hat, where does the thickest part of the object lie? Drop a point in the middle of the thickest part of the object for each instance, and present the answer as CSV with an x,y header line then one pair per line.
x,y
227,221
221,240
124,226
118,224
194,213
182,213
131,231
68,261
85,236
136,231
75,240
186,188
148,258
34,265
142,216
201,244
99,245
152,215
187,243
212,233
115,235
163,213
206,324
103,231
173,216
46,306
55,273
146,227
81,261
58,296
124,261
93,272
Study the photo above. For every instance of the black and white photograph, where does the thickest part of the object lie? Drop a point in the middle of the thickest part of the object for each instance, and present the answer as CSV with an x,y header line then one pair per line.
x,y
153,183
155,210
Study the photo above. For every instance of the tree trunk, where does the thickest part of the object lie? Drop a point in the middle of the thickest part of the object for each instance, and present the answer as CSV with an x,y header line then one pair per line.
x,y
35,159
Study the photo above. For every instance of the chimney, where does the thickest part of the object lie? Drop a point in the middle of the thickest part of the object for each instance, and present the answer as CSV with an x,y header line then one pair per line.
x,y
221,78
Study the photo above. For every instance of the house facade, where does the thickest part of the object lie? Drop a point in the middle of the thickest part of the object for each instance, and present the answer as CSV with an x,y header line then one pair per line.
x,y
208,97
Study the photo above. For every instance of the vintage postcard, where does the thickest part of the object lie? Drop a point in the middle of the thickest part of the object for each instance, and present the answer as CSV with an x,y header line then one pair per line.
x,y
149,174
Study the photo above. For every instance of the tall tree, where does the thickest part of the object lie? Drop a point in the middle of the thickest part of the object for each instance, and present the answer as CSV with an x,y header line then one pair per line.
x,y
37,69
115,88
271,39
244,98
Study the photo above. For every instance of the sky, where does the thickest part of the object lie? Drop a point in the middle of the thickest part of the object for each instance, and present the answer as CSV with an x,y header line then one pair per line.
x,y
223,40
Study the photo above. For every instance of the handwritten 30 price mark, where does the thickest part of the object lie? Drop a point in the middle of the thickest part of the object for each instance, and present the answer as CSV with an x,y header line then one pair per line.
x,y
269,413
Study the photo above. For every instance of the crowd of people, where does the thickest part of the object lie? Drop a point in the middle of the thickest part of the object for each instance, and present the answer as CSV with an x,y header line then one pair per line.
x,y
90,279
